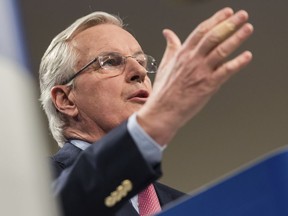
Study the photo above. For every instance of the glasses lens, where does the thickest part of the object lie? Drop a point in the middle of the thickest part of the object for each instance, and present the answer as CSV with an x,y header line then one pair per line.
x,y
148,62
151,65
141,59
111,61
115,61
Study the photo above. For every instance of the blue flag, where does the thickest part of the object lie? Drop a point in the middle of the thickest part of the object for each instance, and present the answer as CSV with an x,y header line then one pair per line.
x,y
24,172
11,35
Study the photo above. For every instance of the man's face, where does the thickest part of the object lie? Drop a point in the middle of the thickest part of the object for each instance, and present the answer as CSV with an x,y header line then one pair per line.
x,y
104,100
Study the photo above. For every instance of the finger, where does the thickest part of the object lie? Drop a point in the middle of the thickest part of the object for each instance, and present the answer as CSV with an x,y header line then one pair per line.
x,y
202,29
231,67
221,52
221,32
173,43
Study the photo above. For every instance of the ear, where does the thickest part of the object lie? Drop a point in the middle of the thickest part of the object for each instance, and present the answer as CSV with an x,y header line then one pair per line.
x,y
62,101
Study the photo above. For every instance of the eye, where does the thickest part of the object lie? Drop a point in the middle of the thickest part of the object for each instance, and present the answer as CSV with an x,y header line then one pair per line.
x,y
111,61
142,60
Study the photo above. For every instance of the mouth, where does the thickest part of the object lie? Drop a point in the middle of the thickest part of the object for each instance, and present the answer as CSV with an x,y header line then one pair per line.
x,y
139,96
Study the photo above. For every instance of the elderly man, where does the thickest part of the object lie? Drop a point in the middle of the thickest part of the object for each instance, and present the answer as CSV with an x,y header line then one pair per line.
x,y
112,127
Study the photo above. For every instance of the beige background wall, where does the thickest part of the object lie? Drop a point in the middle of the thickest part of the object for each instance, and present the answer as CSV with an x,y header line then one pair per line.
x,y
249,115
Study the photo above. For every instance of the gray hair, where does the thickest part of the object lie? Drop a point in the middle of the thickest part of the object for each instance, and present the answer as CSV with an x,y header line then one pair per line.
x,y
58,63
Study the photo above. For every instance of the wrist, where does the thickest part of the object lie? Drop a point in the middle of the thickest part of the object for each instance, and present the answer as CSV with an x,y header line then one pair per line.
x,y
157,125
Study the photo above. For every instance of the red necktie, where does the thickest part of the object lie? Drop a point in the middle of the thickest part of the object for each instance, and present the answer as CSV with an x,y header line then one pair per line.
x,y
148,202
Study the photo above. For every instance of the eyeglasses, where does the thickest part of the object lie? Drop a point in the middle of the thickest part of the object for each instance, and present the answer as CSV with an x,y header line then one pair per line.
x,y
115,63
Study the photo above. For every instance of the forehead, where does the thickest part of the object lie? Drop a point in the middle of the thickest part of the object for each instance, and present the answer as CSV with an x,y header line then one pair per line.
x,y
105,38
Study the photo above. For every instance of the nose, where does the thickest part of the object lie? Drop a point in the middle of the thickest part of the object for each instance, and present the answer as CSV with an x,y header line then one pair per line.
x,y
134,71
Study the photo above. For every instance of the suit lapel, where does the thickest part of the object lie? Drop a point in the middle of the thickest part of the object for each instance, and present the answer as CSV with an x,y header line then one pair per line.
x,y
166,194
64,158
67,155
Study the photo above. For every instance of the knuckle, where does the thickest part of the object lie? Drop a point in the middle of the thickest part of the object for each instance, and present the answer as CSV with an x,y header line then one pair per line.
x,y
202,29
214,39
221,52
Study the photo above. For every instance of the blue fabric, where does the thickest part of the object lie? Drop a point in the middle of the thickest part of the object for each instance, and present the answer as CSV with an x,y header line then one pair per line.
x,y
260,189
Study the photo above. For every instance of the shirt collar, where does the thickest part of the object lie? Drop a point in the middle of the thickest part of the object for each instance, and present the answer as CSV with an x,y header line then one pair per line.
x,y
80,144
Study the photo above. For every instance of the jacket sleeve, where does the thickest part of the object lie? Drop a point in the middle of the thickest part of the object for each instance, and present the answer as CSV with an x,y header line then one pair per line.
x,y
105,176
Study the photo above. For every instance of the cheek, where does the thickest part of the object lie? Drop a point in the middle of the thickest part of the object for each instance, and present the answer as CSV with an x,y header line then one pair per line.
x,y
109,93
106,87
97,95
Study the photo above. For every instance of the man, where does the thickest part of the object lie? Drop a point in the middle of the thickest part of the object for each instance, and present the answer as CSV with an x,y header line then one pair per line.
x,y
103,113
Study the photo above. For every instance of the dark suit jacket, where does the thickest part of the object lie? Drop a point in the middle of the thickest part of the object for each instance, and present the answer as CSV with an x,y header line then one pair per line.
x,y
84,179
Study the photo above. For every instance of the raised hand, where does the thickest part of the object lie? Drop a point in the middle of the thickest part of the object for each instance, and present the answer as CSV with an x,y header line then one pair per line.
x,y
190,73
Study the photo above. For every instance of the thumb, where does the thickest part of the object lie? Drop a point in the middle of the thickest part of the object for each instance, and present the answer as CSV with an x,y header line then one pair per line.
x,y
173,44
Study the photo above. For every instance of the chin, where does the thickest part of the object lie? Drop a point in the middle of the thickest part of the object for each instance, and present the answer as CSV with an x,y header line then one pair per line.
x,y
133,108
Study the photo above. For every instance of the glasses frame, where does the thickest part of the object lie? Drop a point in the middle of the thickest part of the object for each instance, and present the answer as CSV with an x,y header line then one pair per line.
x,y
97,59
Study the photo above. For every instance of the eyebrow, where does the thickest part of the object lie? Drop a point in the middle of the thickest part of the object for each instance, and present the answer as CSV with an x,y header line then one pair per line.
x,y
110,51
138,52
